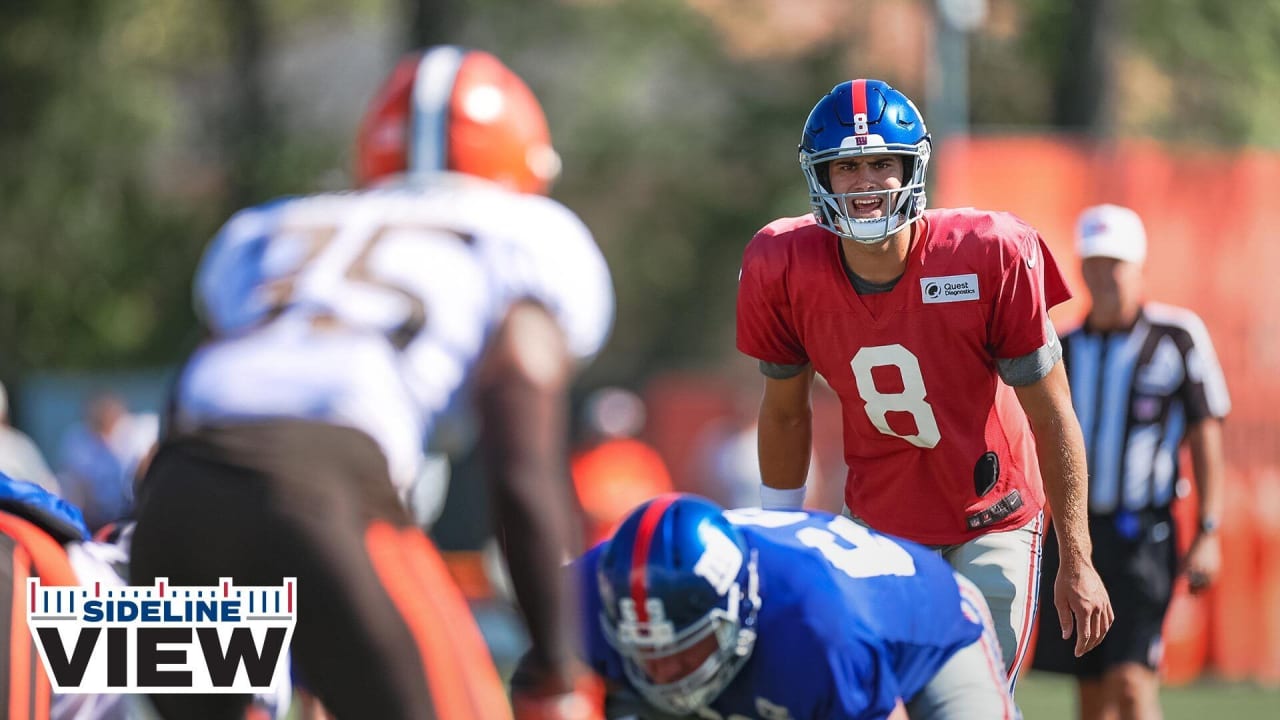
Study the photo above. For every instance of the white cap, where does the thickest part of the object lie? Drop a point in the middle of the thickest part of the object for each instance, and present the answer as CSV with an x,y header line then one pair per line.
x,y
1111,231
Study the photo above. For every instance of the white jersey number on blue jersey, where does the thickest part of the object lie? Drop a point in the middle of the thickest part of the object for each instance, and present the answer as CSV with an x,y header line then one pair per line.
x,y
851,548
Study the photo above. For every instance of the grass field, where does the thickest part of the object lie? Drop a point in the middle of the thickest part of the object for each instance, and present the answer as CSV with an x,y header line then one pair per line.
x,y
1052,697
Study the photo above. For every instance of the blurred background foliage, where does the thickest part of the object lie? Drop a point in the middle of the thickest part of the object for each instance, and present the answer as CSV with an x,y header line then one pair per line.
x,y
129,129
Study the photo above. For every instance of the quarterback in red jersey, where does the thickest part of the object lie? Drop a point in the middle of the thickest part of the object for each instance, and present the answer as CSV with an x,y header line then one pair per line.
x,y
933,329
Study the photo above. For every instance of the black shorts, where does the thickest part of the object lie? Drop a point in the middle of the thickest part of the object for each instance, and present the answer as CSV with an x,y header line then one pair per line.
x,y
260,502
1136,556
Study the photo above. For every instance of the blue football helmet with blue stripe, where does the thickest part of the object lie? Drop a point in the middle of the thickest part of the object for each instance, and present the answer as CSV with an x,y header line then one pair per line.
x,y
865,117
678,582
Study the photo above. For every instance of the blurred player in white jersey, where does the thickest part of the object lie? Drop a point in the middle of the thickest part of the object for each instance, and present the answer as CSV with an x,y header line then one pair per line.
x,y
341,326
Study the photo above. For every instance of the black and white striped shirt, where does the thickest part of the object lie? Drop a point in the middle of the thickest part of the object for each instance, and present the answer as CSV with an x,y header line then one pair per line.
x,y
1136,392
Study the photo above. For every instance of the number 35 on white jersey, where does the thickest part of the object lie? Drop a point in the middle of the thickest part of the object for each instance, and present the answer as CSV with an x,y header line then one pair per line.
x,y
371,309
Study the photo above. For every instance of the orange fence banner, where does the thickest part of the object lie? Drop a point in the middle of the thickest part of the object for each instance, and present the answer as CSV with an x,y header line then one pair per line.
x,y
1211,221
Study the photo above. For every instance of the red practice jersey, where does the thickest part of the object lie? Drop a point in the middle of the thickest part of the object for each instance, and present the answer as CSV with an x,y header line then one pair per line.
x,y
925,412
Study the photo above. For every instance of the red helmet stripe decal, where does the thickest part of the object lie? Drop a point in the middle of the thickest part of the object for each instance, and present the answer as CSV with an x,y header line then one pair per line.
x,y
859,93
640,551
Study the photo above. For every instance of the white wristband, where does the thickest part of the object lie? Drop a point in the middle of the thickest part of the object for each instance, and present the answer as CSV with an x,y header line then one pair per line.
x,y
781,498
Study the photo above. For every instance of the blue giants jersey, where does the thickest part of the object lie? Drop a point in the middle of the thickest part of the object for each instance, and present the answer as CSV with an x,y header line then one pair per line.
x,y
850,620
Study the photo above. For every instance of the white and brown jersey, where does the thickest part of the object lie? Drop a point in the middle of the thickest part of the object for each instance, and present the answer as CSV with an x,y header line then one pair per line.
x,y
371,309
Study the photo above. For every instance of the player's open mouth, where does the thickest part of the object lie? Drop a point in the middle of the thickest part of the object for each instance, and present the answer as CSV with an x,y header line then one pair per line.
x,y
866,207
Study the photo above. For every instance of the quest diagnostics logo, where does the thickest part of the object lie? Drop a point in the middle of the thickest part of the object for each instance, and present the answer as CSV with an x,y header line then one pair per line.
x,y
162,639
952,288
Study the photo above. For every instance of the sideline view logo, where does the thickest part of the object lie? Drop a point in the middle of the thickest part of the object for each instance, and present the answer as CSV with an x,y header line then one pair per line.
x,y
163,639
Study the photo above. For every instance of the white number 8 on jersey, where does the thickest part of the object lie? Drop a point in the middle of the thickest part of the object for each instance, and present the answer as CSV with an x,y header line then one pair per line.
x,y
910,400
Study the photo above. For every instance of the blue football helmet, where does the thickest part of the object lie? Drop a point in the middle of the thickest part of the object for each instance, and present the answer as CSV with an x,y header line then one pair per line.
x,y
865,117
675,574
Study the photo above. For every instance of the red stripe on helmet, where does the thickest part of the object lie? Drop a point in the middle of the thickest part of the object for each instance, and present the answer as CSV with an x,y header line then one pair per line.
x,y
859,92
640,551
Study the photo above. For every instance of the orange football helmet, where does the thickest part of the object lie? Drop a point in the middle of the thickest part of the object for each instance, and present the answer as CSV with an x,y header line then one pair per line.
x,y
450,108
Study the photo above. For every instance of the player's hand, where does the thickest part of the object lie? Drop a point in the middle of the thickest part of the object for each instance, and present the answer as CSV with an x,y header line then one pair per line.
x,y
1083,604
1203,561
572,705
584,701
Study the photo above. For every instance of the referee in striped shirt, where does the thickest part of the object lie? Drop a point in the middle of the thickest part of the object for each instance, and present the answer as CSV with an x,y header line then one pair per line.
x,y
1144,377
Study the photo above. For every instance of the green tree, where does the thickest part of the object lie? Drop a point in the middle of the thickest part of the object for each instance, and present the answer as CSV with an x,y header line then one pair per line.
x,y
116,171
